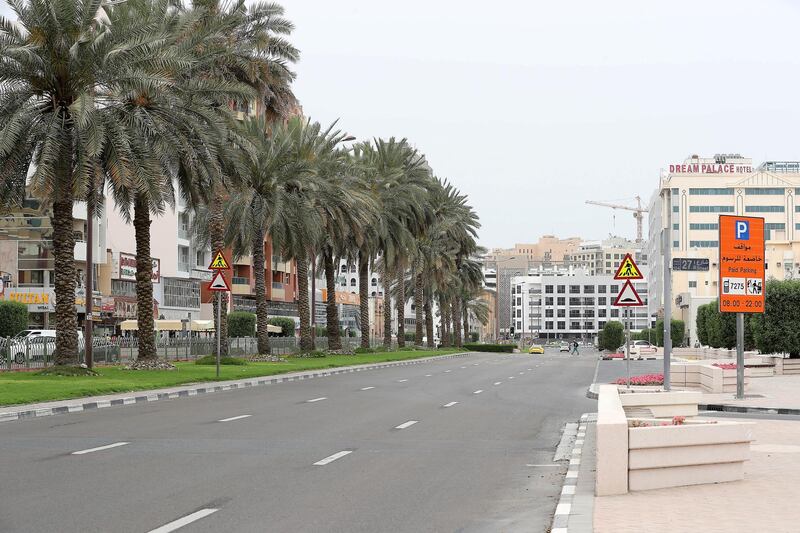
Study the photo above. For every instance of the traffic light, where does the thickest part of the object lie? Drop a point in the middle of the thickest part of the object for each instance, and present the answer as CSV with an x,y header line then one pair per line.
x,y
512,330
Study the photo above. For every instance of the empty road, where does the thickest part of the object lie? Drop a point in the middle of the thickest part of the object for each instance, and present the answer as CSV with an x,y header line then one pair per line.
x,y
463,444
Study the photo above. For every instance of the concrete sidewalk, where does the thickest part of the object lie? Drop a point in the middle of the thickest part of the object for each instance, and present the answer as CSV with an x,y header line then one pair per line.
x,y
764,501
34,410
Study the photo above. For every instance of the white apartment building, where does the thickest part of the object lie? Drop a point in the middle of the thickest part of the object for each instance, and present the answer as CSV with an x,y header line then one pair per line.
x,y
702,189
603,257
571,305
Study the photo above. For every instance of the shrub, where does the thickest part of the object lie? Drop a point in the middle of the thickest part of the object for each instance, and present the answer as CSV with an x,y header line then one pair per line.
x,y
410,336
364,350
286,324
677,332
473,337
645,379
212,360
241,324
13,318
505,348
612,336
777,330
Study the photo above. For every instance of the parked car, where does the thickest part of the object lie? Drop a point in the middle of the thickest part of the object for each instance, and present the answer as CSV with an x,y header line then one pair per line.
x,y
536,349
640,347
563,347
35,344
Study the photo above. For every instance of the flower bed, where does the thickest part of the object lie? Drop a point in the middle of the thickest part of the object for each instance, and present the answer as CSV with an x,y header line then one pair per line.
x,y
644,379
725,366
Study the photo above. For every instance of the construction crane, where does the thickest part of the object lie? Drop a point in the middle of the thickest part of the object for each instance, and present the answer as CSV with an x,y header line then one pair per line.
x,y
637,212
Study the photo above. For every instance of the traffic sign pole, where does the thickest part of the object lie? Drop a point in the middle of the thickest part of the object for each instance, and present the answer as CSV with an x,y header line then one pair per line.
x,y
628,344
667,243
219,327
739,356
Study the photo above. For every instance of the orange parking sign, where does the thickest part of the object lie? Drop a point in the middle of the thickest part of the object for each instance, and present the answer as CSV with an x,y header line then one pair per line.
x,y
741,264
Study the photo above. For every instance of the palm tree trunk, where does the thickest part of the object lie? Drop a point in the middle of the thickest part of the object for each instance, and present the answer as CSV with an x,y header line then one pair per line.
x,y
387,309
331,309
429,318
465,315
217,237
144,281
400,302
456,307
444,310
306,338
418,308
363,296
262,310
64,280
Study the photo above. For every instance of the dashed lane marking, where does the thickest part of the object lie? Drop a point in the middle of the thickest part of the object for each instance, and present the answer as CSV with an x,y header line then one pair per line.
x,y
451,404
478,391
332,458
316,399
231,419
100,448
186,520
367,388
405,425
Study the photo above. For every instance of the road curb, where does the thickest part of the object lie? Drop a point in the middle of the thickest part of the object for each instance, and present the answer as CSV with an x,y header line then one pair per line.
x,y
632,358
217,386
564,507
744,409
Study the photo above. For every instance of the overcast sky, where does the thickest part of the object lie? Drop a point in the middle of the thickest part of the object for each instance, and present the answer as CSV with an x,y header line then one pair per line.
x,y
534,107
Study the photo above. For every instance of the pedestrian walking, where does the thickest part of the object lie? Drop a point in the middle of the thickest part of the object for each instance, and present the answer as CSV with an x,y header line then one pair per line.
x,y
575,348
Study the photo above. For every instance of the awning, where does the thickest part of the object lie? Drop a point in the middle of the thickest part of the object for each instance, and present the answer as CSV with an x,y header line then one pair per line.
x,y
169,325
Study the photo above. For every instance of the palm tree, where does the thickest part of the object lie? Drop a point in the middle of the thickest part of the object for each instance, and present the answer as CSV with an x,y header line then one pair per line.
x,y
254,50
63,70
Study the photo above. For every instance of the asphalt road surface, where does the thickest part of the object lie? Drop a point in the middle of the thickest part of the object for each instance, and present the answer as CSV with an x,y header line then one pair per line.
x,y
463,444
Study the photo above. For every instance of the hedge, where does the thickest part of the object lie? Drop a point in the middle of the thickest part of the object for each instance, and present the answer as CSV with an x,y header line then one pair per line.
x,y
13,318
507,348
286,324
241,324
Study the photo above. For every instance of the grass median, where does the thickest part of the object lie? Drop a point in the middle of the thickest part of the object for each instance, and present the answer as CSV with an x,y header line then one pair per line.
x,y
27,387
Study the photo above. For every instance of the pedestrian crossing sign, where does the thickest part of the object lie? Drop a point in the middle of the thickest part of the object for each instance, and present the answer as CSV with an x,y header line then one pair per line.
x,y
219,262
628,269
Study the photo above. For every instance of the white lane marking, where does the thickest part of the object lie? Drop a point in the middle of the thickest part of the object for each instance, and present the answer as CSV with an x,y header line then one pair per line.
x,y
568,489
522,373
332,458
100,448
474,364
401,380
316,400
510,377
367,388
497,382
563,508
530,369
186,520
428,375
478,391
572,473
231,419
451,404
408,424
446,371
548,465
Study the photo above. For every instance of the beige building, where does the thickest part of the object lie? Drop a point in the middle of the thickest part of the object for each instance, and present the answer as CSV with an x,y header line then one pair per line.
x,y
701,190
603,257
487,331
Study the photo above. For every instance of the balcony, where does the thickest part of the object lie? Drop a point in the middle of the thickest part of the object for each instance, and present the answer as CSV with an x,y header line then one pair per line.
x,y
184,266
240,285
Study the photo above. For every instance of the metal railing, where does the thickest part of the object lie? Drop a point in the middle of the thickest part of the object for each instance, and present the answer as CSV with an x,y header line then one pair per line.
x,y
38,353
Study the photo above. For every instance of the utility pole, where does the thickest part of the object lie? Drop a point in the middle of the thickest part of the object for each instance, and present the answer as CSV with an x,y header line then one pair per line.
x,y
666,196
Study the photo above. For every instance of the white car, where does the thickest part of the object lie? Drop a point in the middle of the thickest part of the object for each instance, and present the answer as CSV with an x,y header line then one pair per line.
x,y
35,345
564,347
639,348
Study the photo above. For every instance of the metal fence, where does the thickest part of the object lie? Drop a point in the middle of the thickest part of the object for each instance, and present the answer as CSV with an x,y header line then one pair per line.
x,y
37,353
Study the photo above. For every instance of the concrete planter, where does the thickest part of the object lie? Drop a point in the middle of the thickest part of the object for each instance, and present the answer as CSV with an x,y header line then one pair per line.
x,y
690,454
707,376
643,458
660,404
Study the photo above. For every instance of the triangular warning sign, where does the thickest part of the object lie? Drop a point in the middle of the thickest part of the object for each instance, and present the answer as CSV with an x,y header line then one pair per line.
x,y
219,262
218,283
628,269
628,297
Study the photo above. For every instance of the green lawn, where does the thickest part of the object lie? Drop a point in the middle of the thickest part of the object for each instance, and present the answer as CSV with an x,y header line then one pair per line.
x,y
26,387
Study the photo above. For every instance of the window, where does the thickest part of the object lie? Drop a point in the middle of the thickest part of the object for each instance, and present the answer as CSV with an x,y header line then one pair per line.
x,y
561,325
589,313
574,301
674,208
587,325
601,313
123,287
588,289
675,244
519,301
200,257
548,289
676,226
614,313
548,300
575,325
692,284
711,191
374,282
703,244
561,289
574,313
601,324
181,293
764,209
352,282
601,300
601,289
344,269
562,313
711,209
614,289
183,259
616,256
548,325
608,264
548,313
704,226
763,191
561,300
574,289
769,226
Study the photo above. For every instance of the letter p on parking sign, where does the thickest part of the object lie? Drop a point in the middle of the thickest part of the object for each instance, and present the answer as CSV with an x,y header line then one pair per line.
x,y
742,230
